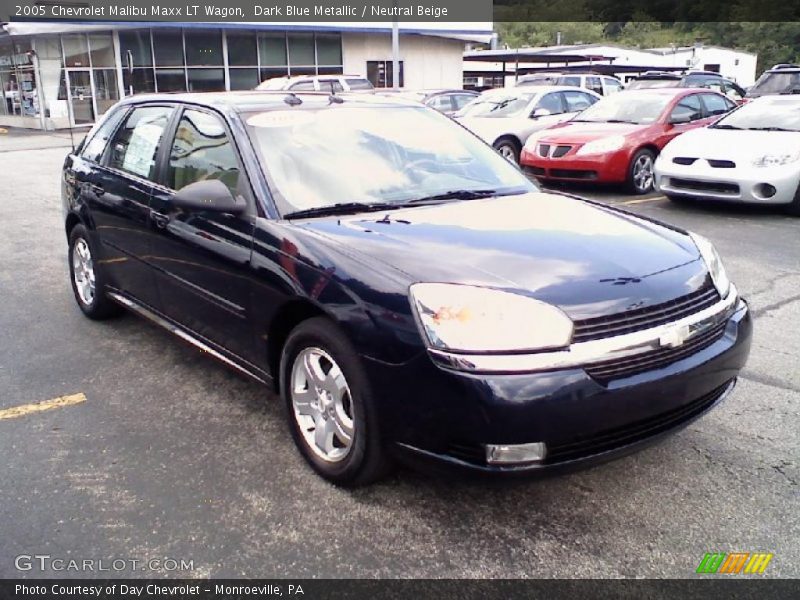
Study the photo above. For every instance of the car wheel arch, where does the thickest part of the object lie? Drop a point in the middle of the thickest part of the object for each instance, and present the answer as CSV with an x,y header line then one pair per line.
x,y
280,327
71,222
509,137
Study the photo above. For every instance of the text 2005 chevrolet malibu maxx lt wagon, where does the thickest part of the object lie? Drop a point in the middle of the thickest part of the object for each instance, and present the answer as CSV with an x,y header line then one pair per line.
x,y
405,288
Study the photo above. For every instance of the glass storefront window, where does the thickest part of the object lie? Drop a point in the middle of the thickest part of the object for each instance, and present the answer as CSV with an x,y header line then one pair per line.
x,y
243,79
106,92
242,49
76,50
48,48
171,80
140,81
168,47
102,49
135,48
272,47
4,106
301,49
329,49
206,80
203,48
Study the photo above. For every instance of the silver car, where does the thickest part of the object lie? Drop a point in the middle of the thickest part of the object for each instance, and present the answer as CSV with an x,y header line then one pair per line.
x,y
750,155
506,117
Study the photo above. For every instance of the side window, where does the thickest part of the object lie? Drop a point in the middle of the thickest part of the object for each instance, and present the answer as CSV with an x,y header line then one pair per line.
x,y
689,108
441,103
94,149
594,84
461,100
303,86
571,80
578,101
551,102
135,145
330,85
731,92
716,105
612,85
201,151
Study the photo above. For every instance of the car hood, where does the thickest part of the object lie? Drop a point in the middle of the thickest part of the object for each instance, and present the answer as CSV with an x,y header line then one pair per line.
x,y
580,133
731,144
588,259
490,128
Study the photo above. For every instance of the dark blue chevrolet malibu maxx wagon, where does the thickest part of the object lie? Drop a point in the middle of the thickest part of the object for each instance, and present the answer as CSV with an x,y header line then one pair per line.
x,y
409,293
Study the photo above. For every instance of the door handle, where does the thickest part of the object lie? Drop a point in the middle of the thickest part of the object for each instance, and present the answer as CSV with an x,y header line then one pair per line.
x,y
97,190
159,219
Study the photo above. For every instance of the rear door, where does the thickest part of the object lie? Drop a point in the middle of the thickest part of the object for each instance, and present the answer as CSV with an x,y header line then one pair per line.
x,y
202,258
118,193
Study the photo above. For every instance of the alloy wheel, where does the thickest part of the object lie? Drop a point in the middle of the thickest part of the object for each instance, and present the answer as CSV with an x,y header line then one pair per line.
x,y
643,173
322,405
507,152
83,271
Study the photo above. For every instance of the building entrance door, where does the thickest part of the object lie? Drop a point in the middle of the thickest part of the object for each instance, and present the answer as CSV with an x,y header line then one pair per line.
x,y
81,98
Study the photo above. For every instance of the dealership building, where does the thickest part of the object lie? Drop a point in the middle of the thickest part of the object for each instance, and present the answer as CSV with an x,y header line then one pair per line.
x,y
56,75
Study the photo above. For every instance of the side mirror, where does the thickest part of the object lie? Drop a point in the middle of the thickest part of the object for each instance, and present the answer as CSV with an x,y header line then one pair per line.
x,y
541,112
680,119
208,195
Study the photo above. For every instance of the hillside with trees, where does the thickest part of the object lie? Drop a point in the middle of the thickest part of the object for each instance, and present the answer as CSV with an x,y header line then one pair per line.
x,y
775,42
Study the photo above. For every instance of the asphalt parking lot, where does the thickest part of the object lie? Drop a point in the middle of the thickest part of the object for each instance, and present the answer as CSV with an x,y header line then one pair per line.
x,y
169,455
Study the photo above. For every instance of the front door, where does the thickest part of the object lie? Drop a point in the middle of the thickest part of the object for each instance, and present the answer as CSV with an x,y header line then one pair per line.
x,y
118,192
202,258
81,99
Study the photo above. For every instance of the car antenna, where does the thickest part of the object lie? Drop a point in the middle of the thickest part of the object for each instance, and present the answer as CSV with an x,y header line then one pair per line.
x,y
292,100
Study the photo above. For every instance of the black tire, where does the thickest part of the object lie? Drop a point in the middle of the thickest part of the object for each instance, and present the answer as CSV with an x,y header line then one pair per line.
x,y
793,208
633,184
366,460
509,148
100,306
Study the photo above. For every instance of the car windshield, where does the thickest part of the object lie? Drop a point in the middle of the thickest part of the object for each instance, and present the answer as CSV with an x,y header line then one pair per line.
x,y
776,83
627,107
497,104
376,155
539,80
645,84
773,113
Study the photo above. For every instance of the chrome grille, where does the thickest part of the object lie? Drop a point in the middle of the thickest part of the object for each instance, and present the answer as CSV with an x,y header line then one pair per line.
x,y
618,368
645,318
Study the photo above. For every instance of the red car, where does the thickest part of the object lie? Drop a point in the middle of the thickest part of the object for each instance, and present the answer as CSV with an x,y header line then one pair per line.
x,y
617,139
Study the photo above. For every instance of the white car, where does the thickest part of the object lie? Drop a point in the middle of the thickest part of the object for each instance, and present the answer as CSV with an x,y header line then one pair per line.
x,y
750,155
318,83
506,117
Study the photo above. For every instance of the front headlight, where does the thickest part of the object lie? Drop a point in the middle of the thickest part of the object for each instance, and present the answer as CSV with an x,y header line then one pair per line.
x,y
463,318
714,264
603,145
776,160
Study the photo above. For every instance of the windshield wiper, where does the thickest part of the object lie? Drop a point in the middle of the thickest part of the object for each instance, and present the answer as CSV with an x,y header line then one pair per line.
x,y
771,129
456,195
621,121
341,208
725,126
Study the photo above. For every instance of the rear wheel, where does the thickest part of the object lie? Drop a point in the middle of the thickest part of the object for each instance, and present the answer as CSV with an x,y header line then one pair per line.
x,y
87,277
641,176
330,405
508,149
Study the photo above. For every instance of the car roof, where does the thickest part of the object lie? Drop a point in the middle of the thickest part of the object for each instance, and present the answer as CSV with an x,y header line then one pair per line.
x,y
538,89
252,100
669,91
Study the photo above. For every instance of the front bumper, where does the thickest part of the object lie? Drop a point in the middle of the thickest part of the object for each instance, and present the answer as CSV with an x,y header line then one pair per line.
x,y
758,185
601,168
445,417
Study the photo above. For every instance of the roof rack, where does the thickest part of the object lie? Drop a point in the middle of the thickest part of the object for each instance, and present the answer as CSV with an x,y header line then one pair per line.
x,y
785,66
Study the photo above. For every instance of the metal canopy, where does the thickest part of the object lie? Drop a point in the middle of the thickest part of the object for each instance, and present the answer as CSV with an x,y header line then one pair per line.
x,y
530,55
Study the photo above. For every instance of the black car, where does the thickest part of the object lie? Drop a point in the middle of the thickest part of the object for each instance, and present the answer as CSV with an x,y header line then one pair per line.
x,y
699,79
405,288
783,78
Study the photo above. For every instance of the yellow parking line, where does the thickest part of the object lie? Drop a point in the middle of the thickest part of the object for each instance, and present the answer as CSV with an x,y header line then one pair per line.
x,y
26,409
643,200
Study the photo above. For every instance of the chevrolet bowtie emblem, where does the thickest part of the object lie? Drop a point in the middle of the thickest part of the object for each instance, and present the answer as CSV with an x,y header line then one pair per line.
x,y
675,336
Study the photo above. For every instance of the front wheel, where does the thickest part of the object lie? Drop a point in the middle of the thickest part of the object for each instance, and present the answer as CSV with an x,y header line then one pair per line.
x,y
508,149
88,278
330,405
641,175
